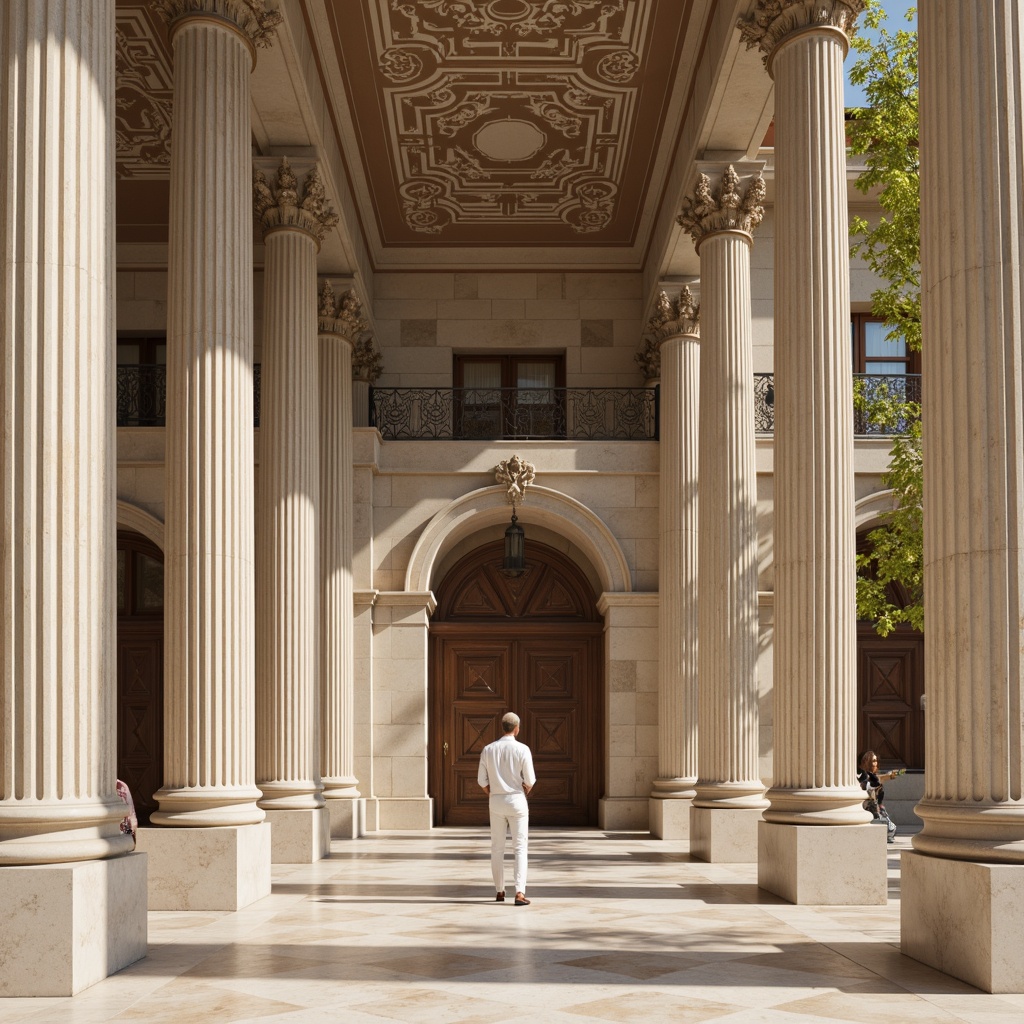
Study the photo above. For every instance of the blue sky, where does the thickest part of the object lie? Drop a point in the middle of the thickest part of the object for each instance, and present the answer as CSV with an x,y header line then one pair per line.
x,y
895,10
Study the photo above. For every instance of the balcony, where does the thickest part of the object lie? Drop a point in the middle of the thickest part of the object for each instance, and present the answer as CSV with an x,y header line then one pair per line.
x,y
515,414
142,395
869,386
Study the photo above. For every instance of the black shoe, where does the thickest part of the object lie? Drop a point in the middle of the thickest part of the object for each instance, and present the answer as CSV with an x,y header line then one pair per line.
x,y
500,898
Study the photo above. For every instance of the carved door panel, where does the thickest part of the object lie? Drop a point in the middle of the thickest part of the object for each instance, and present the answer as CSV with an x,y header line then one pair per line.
x,y
890,675
140,727
547,681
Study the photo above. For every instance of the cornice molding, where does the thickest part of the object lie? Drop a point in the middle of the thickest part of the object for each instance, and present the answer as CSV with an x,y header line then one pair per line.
x,y
730,207
774,20
251,17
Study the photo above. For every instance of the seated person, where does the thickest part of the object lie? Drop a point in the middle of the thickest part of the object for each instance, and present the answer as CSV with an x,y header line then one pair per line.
x,y
871,782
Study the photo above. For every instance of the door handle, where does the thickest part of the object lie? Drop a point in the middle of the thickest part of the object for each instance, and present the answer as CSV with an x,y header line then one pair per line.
x,y
444,749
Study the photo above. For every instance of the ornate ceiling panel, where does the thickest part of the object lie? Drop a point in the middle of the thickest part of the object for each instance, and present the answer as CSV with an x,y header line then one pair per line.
x,y
508,122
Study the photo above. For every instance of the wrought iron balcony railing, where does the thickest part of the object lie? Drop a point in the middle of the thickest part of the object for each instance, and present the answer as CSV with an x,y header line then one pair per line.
x,y
538,414
142,395
869,387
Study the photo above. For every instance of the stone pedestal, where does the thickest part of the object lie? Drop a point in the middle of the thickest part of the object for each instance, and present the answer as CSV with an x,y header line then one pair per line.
x,y
724,835
207,868
299,837
68,926
669,818
405,814
823,865
964,918
347,818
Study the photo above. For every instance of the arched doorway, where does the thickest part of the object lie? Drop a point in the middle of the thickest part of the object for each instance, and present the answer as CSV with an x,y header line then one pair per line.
x,y
140,669
532,644
890,685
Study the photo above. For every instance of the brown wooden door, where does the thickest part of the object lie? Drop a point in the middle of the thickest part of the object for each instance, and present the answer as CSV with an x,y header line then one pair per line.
x,y
140,670
533,645
890,674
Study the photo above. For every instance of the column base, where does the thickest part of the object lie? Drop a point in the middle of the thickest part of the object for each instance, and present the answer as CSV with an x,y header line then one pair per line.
x,y
963,918
617,813
300,836
405,814
68,926
223,868
670,817
823,865
347,817
724,835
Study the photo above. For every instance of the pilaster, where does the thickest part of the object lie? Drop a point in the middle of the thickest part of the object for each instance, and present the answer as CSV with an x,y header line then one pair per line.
x,y
964,884
288,717
340,325
721,217
675,331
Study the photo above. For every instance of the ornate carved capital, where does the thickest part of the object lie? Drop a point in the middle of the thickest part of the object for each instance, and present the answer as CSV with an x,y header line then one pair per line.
x,y
367,362
516,475
773,20
279,206
345,318
250,16
649,358
724,209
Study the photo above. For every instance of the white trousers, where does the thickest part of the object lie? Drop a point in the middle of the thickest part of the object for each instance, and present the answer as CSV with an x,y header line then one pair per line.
x,y
509,813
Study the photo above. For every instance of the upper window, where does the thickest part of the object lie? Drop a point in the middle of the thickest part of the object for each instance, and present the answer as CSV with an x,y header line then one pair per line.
x,y
873,353
509,396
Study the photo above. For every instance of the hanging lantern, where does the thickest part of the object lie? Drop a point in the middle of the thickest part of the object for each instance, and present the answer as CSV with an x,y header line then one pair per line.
x,y
515,548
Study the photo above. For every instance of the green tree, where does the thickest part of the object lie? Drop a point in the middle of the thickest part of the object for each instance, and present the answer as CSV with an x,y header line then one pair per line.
x,y
886,133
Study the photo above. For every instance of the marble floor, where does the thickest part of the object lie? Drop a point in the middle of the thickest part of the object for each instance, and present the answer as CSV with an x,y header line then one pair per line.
x,y
402,927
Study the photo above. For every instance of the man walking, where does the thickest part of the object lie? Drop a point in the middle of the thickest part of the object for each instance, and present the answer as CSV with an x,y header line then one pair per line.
x,y
506,776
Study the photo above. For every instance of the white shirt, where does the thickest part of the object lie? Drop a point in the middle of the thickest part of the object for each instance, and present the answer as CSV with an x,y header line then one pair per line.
x,y
506,765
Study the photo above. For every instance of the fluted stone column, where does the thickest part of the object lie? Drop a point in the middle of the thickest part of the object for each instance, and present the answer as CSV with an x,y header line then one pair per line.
x,y
340,327
815,800
60,845
675,327
721,217
209,793
963,886
287,603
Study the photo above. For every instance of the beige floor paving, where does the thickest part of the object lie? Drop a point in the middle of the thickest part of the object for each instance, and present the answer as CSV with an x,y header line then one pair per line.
x,y
402,927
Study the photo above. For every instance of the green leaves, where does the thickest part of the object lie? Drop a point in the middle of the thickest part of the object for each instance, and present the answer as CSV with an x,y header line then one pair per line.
x,y
885,133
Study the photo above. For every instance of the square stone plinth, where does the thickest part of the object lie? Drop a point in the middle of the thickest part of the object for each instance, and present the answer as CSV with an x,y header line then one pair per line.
x,y
724,835
823,865
670,818
224,868
616,813
347,817
299,837
964,919
408,813
68,926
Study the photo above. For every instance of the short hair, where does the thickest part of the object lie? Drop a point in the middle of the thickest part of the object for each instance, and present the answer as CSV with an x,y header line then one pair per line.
x,y
510,722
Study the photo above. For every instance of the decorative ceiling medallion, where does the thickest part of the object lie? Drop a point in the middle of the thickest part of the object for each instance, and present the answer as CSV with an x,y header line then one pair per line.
x,y
515,115
142,124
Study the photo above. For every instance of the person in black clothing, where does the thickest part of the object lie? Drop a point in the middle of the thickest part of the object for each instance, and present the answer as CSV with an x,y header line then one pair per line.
x,y
871,782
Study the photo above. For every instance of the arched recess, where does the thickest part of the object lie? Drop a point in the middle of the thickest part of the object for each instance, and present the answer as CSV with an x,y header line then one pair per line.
x,y
544,507
890,669
531,643
140,654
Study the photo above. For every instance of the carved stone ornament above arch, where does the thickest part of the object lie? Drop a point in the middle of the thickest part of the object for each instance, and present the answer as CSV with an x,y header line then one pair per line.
x,y
131,517
548,508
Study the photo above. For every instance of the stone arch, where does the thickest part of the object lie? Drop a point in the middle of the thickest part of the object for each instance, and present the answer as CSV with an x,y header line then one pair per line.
x,y
544,507
131,517
869,511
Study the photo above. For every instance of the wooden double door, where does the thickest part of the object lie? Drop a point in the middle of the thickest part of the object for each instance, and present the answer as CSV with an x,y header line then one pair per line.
x,y
531,644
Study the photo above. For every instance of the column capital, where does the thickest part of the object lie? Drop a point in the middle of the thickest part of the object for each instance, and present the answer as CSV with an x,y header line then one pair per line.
x,y
730,207
250,17
345,318
773,21
672,317
279,206
367,362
